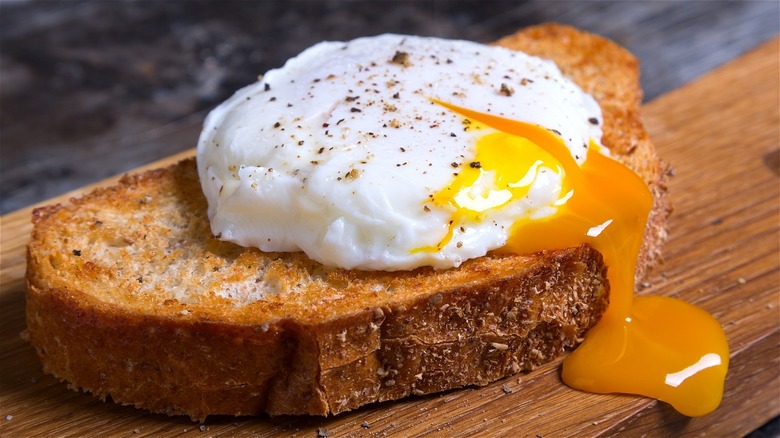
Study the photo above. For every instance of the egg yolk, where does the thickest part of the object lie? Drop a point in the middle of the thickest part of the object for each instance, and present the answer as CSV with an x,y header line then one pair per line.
x,y
659,347
503,170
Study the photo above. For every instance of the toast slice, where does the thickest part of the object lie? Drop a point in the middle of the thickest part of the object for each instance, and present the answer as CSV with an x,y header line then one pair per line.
x,y
131,296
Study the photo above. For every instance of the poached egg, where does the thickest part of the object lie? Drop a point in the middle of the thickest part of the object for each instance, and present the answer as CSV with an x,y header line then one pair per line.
x,y
350,154
395,152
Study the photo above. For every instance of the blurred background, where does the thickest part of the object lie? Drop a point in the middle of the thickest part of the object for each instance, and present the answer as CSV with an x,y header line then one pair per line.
x,y
89,89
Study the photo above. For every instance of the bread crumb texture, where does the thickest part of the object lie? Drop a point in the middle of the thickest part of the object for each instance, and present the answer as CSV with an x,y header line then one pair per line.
x,y
176,321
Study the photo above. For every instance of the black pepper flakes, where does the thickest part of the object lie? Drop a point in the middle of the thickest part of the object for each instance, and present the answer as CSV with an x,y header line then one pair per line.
x,y
77,252
355,110
267,87
593,121
401,58
454,164
475,165
506,90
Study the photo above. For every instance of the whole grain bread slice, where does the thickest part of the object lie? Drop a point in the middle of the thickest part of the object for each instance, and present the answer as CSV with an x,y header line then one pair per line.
x,y
130,295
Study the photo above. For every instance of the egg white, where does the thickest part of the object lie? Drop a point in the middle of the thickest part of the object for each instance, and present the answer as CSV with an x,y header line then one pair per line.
x,y
338,152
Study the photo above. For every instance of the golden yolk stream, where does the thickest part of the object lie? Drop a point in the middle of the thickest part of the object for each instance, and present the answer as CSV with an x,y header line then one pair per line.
x,y
659,347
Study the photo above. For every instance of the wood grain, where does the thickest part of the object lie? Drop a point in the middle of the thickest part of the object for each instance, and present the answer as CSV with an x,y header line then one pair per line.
x,y
720,133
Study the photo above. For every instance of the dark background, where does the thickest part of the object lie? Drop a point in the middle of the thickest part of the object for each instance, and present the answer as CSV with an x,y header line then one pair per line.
x,y
89,89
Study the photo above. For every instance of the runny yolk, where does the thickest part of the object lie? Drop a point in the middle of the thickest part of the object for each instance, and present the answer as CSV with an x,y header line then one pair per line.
x,y
503,170
659,347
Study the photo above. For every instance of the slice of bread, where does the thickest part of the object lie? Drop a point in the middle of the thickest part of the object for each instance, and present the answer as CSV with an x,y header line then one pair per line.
x,y
130,296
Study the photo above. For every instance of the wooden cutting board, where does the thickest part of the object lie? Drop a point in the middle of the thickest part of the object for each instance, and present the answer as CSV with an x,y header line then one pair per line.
x,y
721,135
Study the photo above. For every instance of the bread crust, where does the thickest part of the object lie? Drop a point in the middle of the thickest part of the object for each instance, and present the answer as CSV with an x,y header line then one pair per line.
x,y
130,296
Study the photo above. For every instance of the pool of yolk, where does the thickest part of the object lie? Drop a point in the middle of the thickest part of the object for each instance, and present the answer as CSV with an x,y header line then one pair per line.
x,y
655,346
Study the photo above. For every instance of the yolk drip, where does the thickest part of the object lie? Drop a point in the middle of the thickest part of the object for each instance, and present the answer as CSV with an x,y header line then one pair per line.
x,y
659,347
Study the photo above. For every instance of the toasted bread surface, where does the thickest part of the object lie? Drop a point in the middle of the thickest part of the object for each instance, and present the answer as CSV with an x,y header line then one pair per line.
x,y
130,295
